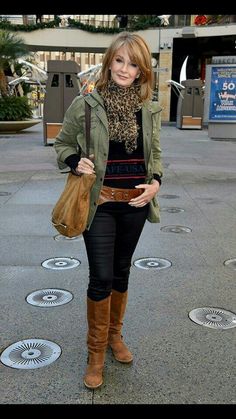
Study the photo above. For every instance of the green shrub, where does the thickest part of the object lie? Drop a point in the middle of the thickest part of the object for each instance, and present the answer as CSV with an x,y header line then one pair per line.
x,y
15,108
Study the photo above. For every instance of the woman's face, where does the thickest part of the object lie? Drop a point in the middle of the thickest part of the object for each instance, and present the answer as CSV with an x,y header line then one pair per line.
x,y
123,70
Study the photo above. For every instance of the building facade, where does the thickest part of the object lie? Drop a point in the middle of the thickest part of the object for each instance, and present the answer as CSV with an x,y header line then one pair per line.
x,y
184,36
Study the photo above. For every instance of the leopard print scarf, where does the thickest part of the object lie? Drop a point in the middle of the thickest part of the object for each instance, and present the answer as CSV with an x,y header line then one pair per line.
x,y
121,104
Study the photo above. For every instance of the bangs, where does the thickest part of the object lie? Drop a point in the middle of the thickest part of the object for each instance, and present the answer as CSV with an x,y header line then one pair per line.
x,y
137,55
133,52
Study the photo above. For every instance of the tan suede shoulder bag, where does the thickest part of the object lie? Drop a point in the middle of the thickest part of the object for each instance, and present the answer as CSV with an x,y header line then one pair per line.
x,y
70,214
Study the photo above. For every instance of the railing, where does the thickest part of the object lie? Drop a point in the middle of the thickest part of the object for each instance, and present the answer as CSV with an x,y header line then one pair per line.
x,y
31,19
113,21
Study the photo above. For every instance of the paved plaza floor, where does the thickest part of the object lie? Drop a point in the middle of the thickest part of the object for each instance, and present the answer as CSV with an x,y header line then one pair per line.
x,y
186,262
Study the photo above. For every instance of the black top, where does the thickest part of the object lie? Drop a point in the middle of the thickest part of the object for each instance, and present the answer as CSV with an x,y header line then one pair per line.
x,y
123,170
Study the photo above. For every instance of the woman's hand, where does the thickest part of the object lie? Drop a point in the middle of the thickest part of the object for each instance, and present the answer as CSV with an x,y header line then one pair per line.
x,y
85,165
150,190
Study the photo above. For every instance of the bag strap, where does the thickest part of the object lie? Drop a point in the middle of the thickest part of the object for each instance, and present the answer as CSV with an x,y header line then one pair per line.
x,y
87,126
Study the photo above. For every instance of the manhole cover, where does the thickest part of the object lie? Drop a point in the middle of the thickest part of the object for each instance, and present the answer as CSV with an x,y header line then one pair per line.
x,y
230,263
49,297
61,263
30,353
172,210
176,229
5,193
216,318
152,263
168,196
60,237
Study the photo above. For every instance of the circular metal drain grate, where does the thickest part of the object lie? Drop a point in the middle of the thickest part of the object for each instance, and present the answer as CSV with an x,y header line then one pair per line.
x,y
49,297
60,237
61,263
176,229
168,196
216,318
30,353
152,263
5,193
230,263
172,210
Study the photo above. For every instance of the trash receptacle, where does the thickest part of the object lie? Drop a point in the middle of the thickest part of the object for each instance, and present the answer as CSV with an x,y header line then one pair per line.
x,y
61,88
190,105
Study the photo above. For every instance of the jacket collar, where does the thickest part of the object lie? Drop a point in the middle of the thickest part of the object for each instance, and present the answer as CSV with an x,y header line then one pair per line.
x,y
94,98
152,107
96,102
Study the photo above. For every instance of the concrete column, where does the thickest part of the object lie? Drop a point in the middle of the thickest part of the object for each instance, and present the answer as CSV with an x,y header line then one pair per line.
x,y
82,61
165,61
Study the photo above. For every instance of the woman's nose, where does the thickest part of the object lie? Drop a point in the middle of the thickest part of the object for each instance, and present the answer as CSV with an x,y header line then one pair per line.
x,y
125,67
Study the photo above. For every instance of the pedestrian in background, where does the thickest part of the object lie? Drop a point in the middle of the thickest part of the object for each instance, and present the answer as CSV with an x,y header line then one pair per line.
x,y
122,20
39,18
126,157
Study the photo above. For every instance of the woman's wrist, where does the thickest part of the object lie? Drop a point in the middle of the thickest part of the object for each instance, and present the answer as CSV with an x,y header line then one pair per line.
x,y
156,184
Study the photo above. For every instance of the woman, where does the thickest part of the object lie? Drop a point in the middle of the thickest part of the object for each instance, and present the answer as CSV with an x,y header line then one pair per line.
x,y
125,155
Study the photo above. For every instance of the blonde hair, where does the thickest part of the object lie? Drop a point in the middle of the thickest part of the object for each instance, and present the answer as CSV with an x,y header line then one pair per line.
x,y
139,53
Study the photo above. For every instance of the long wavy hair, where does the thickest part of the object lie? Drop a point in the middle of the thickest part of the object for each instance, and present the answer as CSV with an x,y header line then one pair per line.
x,y
139,54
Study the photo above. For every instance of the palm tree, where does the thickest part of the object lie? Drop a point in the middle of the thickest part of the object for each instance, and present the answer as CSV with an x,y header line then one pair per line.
x,y
11,47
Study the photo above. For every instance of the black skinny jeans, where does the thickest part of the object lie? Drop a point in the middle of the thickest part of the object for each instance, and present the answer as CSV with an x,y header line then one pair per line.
x,y
110,243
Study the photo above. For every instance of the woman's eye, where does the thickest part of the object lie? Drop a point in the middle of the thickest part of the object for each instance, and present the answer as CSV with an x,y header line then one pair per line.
x,y
119,60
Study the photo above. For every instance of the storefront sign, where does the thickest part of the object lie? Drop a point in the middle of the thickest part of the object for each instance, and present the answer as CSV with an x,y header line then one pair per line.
x,y
223,93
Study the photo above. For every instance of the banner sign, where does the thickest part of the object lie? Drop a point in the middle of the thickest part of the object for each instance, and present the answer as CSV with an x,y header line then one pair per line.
x,y
223,94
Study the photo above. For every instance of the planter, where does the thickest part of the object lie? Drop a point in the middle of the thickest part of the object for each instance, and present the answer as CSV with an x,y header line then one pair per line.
x,y
9,127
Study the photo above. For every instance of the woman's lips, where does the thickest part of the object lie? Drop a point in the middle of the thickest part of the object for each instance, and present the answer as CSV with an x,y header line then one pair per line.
x,y
122,77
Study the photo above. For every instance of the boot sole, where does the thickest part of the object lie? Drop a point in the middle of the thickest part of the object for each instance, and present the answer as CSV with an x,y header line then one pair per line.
x,y
93,387
122,361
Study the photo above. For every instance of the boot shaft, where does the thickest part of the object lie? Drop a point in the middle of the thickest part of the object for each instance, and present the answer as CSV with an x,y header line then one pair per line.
x,y
115,339
98,317
117,311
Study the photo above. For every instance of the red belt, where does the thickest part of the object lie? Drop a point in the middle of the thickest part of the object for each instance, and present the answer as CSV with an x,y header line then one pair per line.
x,y
108,194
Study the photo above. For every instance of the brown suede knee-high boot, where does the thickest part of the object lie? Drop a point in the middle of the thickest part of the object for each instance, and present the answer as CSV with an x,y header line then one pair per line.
x,y
115,340
98,316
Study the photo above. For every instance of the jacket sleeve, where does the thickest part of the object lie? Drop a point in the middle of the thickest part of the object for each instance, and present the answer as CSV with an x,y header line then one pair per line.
x,y
156,148
66,143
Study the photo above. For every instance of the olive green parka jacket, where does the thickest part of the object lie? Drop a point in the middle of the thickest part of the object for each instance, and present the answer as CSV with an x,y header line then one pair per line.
x,y
71,140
